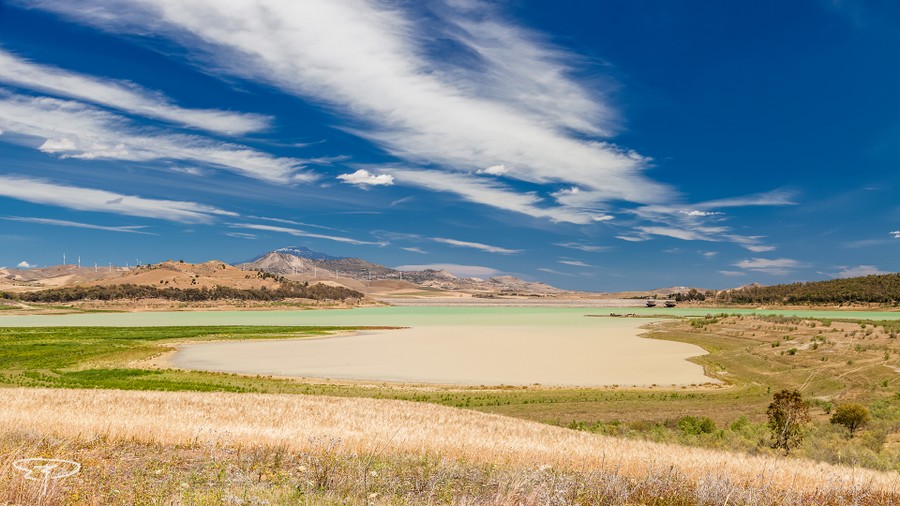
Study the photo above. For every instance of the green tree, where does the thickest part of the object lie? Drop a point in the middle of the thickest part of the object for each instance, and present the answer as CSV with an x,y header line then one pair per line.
x,y
788,413
852,416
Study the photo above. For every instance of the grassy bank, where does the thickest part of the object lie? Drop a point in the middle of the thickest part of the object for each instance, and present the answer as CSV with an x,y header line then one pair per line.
x,y
221,448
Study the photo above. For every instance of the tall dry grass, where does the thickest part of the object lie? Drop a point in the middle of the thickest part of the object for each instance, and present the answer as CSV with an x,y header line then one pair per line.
x,y
398,429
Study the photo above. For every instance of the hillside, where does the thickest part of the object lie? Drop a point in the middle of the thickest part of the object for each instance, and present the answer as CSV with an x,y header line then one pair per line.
x,y
172,281
873,289
365,451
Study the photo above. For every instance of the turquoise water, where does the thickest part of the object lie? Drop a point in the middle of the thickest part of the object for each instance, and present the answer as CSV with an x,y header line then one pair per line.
x,y
397,316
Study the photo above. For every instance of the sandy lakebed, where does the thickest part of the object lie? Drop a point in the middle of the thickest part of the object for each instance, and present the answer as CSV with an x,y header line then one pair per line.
x,y
605,352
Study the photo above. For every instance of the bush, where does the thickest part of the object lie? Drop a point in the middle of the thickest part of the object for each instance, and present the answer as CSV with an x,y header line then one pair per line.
x,y
695,426
852,416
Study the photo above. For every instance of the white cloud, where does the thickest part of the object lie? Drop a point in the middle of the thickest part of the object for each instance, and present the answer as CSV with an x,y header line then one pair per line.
x,y
583,247
518,106
415,250
780,266
241,235
701,213
74,130
759,248
695,234
859,270
554,271
709,254
131,229
39,191
771,198
24,265
476,245
465,271
576,263
124,96
895,234
494,170
491,193
302,233
362,177
732,273
633,238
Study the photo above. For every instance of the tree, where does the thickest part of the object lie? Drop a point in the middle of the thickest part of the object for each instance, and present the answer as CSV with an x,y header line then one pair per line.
x,y
852,416
788,413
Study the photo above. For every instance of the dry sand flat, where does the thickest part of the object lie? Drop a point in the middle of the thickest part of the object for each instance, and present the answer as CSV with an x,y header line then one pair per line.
x,y
386,426
603,352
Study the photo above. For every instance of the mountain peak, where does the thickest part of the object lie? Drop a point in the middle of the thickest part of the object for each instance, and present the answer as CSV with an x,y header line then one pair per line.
x,y
304,252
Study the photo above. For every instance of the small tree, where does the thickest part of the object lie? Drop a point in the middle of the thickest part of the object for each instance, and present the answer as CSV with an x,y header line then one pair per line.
x,y
852,416
788,413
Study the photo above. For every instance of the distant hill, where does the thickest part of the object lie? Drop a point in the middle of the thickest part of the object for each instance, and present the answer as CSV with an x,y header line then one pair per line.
x,y
874,289
179,281
303,263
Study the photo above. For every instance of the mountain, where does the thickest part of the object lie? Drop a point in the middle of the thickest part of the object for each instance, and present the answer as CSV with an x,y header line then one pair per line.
x,y
298,251
303,263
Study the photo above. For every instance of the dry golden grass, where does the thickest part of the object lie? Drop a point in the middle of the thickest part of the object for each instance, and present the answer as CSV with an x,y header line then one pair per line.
x,y
385,427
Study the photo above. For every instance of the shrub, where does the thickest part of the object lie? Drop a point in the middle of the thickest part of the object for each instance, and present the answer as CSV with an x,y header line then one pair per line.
x,y
852,416
696,426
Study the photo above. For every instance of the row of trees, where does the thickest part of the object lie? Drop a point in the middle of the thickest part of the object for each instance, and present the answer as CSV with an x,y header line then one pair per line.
x,y
879,288
287,290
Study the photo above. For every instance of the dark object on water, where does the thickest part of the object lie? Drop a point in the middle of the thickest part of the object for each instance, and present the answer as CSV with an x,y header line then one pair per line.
x,y
670,303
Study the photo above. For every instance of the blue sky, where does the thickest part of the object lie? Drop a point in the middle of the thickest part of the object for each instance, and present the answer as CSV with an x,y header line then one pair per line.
x,y
597,145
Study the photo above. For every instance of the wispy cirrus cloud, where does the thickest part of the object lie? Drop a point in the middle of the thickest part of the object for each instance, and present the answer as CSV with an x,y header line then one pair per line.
x,y
466,271
777,267
489,192
40,191
554,272
702,222
303,233
130,229
124,96
575,263
517,105
856,271
74,130
590,248
476,245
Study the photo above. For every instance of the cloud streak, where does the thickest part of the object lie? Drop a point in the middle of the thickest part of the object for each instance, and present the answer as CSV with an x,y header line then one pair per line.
x,y
777,267
124,96
39,191
476,245
132,229
75,130
302,233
